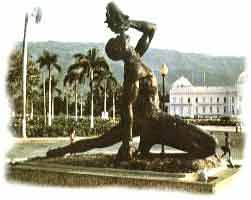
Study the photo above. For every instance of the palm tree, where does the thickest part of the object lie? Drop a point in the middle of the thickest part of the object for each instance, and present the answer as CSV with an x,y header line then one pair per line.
x,y
45,87
44,99
14,77
82,70
112,85
49,60
108,83
92,65
54,89
32,84
75,74
16,83
67,93
81,106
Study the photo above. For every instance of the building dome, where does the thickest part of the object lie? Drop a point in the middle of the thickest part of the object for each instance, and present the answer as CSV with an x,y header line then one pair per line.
x,y
181,82
242,78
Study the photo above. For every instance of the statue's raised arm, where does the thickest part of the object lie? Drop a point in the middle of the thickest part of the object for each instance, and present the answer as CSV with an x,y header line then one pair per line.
x,y
148,30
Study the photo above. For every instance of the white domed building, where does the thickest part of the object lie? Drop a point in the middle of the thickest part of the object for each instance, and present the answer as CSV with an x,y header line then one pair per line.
x,y
187,100
242,78
181,98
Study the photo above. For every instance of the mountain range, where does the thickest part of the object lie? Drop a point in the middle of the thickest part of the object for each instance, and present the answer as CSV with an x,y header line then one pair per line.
x,y
218,70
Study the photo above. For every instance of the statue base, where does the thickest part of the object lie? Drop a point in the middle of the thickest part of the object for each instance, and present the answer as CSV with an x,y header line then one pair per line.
x,y
155,171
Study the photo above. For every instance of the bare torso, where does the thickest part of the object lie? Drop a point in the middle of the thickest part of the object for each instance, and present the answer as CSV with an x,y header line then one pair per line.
x,y
135,71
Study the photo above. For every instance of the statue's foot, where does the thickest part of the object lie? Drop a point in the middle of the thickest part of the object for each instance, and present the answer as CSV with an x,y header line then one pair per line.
x,y
126,152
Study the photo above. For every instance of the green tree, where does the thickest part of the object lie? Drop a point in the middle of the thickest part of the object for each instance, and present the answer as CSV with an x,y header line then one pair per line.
x,y
49,60
67,96
14,77
108,84
75,75
14,81
33,78
55,91
92,65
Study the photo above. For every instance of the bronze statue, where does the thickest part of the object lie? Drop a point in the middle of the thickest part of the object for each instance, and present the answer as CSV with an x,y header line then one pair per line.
x,y
140,113
134,69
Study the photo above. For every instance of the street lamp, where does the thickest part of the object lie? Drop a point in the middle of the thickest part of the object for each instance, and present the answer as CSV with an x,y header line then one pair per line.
x,y
37,14
163,72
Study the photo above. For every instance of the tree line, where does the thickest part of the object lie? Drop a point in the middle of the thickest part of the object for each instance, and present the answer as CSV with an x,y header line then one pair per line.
x,y
46,98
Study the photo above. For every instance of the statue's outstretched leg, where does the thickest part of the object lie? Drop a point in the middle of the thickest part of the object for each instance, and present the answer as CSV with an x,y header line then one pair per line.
x,y
109,138
166,129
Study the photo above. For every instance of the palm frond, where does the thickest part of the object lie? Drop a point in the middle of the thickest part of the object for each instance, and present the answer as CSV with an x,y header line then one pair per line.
x,y
58,91
66,78
77,55
48,59
101,63
82,78
72,67
71,77
57,66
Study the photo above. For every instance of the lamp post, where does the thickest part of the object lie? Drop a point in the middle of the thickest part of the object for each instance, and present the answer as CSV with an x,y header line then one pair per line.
x,y
37,14
163,72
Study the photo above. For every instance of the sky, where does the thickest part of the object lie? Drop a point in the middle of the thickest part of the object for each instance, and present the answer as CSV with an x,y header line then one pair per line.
x,y
211,27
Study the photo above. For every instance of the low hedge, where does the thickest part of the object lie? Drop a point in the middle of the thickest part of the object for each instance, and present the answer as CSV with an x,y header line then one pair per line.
x,y
60,127
213,122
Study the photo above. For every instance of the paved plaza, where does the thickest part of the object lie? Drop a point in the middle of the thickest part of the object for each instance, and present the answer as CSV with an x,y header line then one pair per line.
x,y
33,147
